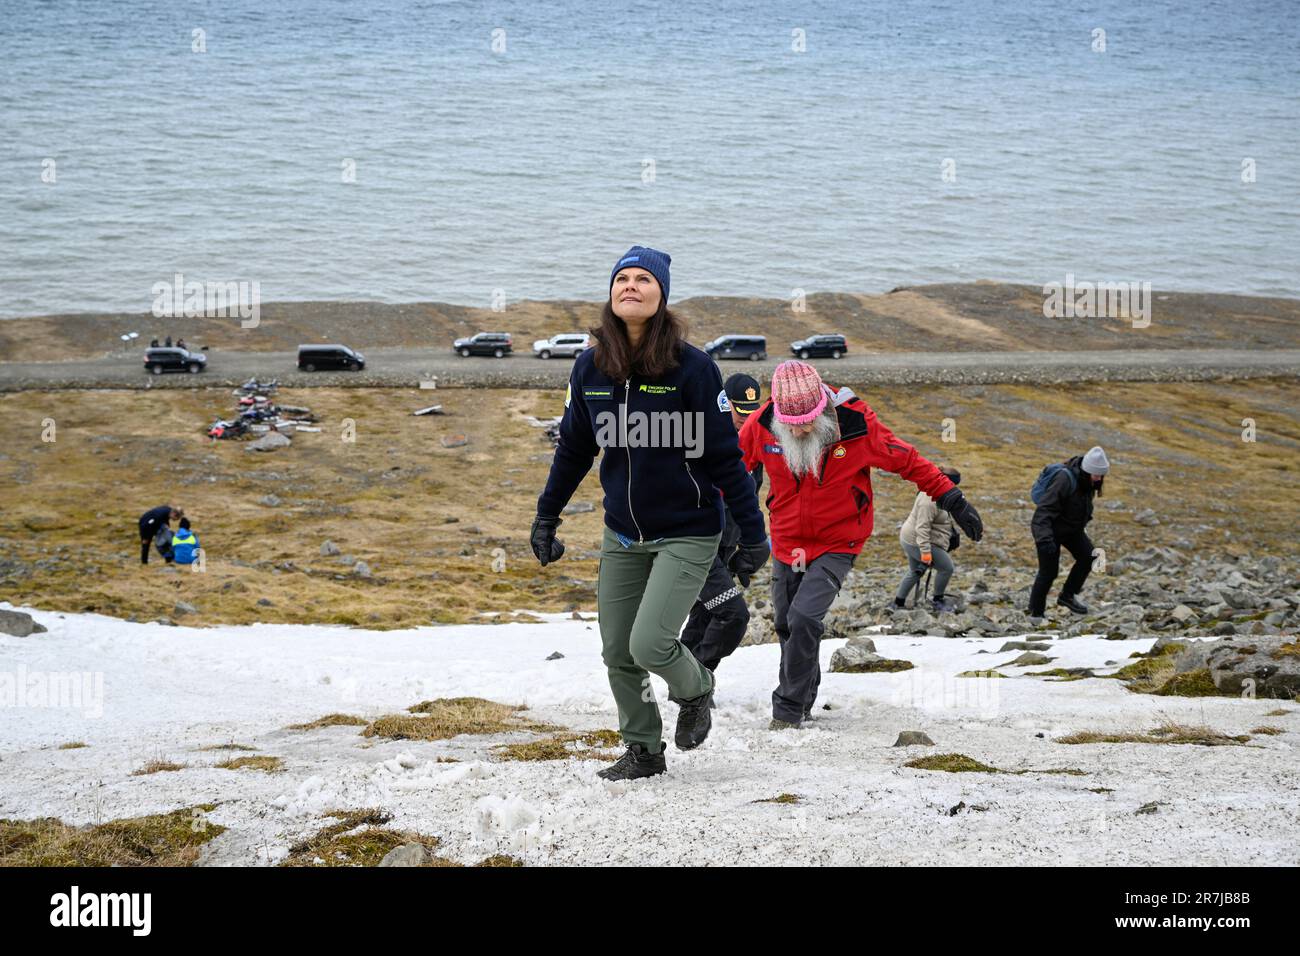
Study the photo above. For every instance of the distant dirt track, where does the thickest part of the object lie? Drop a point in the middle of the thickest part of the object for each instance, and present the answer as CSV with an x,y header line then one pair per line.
x,y
407,368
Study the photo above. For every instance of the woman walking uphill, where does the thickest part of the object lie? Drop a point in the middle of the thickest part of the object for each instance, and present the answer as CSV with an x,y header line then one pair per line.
x,y
656,406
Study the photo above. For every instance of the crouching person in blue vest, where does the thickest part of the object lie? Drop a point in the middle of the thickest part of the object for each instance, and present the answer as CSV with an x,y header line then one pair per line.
x,y
185,544
155,530
663,510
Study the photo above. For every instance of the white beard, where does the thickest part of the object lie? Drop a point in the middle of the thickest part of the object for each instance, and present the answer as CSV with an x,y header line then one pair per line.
x,y
803,453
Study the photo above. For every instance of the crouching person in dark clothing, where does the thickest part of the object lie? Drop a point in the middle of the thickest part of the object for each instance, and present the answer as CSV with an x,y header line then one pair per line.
x,y
1063,494
719,619
151,523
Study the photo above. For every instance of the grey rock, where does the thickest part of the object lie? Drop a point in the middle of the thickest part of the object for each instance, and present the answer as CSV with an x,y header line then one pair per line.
x,y
361,569
1023,646
555,656
19,624
265,602
858,652
271,441
1147,518
1264,666
347,560
269,501
1183,614
183,607
1239,599
1029,659
577,507
408,854
913,738
329,548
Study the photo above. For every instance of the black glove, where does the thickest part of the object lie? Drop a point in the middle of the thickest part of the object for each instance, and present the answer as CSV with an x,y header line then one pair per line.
x,y
546,546
954,540
963,512
748,559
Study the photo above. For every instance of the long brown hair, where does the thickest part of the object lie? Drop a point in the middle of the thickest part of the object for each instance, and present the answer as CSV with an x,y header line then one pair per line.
x,y
657,352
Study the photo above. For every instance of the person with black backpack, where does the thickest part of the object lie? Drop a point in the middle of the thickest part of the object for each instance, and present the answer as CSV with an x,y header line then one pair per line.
x,y
1063,494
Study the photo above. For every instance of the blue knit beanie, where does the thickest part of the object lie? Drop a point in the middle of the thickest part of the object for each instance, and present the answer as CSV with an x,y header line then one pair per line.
x,y
651,260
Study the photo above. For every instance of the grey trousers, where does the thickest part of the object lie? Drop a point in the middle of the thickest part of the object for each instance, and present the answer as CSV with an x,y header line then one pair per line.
x,y
800,601
943,568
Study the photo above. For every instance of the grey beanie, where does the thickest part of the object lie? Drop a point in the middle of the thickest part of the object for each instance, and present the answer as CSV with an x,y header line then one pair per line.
x,y
1096,462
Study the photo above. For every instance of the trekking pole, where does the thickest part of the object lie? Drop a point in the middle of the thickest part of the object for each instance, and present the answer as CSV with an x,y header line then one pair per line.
x,y
917,587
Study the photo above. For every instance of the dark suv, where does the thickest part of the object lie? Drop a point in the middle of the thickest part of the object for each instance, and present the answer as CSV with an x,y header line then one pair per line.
x,y
752,347
314,358
485,343
820,346
159,360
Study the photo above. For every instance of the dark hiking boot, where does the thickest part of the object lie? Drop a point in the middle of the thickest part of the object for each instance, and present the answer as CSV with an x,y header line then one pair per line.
x,y
634,764
776,724
694,719
940,604
900,604
1070,601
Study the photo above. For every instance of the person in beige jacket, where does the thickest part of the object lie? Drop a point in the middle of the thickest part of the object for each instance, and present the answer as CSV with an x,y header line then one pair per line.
x,y
926,536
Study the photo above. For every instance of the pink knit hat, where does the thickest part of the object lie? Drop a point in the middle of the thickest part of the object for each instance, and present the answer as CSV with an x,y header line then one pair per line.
x,y
798,395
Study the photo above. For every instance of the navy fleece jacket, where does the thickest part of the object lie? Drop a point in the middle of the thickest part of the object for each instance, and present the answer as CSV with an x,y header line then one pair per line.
x,y
660,472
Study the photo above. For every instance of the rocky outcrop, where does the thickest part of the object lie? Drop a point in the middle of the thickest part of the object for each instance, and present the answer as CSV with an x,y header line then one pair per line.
x,y
19,624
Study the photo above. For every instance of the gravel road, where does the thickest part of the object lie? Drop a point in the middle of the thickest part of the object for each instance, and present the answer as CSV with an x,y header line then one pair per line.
x,y
408,368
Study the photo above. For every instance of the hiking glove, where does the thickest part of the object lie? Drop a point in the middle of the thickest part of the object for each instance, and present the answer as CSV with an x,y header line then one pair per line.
x,y
546,546
963,512
748,559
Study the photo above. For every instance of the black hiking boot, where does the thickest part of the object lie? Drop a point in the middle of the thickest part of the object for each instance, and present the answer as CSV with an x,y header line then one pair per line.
x,y
1070,601
634,764
941,605
694,720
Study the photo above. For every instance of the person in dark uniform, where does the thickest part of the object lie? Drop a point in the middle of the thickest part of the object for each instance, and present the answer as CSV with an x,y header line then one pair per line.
x,y
151,522
719,619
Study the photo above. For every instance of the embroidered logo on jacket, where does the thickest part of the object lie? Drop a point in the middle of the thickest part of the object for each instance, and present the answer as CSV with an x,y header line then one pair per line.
x,y
772,450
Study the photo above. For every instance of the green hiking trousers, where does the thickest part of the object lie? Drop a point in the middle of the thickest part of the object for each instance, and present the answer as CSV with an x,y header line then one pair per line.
x,y
643,596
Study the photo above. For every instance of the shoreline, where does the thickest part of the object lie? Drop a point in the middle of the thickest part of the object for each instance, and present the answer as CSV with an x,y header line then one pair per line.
x,y
979,316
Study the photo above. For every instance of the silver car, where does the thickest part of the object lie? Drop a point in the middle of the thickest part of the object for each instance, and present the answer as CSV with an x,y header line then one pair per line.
x,y
568,344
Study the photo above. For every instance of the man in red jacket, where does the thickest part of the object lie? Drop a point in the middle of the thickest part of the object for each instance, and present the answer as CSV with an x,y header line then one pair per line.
x,y
818,448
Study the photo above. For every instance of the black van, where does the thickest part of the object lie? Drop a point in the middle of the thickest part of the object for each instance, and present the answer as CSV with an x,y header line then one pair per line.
x,y
319,358
820,346
752,347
